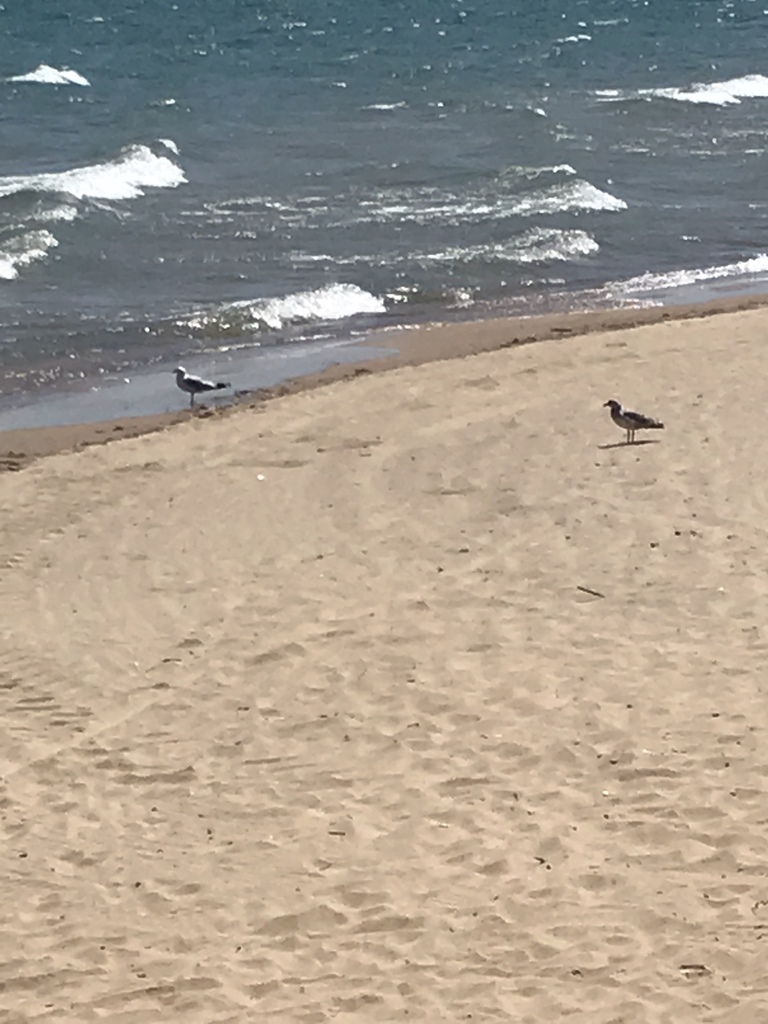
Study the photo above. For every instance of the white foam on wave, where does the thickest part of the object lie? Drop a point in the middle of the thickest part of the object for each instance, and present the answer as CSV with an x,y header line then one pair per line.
x,y
539,245
385,106
44,74
650,282
22,250
64,212
125,177
332,302
543,245
576,195
518,190
535,246
719,94
426,206
531,173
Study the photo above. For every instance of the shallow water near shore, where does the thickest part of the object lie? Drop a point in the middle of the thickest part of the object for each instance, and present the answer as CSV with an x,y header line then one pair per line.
x,y
153,392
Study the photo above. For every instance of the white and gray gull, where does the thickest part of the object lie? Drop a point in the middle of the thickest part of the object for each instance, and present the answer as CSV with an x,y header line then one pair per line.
x,y
193,385
631,421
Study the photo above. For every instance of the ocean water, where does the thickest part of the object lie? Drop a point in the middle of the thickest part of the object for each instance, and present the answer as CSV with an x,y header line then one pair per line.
x,y
190,180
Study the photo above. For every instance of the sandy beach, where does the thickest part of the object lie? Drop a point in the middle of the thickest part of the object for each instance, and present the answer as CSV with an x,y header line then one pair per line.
x,y
418,695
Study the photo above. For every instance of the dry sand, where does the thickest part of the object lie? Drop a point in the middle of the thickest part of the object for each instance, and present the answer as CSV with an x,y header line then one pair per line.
x,y
305,717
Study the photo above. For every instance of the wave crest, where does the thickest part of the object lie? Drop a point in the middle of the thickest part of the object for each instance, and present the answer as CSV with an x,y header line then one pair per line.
x,y
44,74
332,302
24,249
125,177
719,94
650,282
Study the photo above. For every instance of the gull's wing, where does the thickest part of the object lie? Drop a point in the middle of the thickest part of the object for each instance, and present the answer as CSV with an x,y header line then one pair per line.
x,y
638,420
199,383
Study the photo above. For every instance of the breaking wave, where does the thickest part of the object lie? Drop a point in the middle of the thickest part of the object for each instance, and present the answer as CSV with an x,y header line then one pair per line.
x,y
655,283
125,177
46,75
539,245
333,302
718,94
30,204
19,252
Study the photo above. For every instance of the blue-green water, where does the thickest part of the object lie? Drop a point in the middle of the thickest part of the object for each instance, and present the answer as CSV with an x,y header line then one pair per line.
x,y
194,178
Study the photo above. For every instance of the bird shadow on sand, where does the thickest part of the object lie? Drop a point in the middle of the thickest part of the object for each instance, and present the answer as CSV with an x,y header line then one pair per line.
x,y
624,444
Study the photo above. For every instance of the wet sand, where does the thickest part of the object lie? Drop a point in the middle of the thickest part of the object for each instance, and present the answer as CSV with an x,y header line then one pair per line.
x,y
411,347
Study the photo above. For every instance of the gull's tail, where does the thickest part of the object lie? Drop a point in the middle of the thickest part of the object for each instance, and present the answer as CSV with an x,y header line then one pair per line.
x,y
221,384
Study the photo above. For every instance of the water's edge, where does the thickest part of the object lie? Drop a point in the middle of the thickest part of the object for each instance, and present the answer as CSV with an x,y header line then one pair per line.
x,y
150,401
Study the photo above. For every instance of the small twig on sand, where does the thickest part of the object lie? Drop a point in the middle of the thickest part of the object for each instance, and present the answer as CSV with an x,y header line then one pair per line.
x,y
586,590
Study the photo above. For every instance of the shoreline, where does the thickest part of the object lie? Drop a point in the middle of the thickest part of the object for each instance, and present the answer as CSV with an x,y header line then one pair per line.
x,y
392,349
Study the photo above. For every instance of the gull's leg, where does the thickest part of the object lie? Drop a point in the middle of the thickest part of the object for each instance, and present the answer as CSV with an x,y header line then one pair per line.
x,y
191,399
